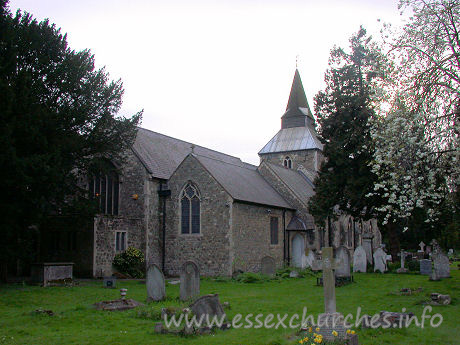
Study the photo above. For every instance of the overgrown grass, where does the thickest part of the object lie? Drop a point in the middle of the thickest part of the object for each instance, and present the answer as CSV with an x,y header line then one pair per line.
x,y
76,322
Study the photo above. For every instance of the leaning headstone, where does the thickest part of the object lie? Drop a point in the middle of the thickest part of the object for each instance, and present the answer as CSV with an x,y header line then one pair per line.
x,y
425,267
189,281
367,245
207,305
268,266
359,260
343,257
441,265
380,261
155,283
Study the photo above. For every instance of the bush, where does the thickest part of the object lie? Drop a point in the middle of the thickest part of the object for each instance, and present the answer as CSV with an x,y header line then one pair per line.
x,y
393,266
131,262
413,265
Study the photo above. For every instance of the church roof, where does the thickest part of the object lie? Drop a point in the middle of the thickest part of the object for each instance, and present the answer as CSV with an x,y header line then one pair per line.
x,y
299,184
161,154
296,223
293,139
297,104
243,182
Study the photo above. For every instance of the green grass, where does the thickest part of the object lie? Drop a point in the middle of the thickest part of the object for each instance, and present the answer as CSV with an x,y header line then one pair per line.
x,y
76,322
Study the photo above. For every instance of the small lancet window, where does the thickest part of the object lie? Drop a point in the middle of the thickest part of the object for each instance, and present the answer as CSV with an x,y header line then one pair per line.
x,y
287,162
190,210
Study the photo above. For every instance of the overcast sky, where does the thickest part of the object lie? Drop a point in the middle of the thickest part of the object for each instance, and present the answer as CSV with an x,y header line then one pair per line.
x,y
215,73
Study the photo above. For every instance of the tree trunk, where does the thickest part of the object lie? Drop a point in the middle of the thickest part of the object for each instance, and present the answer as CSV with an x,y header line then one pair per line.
x,y
3,272
393,239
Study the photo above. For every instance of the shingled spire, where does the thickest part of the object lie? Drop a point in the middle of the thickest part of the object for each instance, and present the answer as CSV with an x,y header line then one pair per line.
x,y
298,113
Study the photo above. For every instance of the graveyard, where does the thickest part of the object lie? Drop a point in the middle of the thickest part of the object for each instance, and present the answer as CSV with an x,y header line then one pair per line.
x,y
65,314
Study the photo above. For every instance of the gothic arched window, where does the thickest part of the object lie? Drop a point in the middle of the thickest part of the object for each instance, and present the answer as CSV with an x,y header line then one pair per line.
x,y
190,210
105,187
287,162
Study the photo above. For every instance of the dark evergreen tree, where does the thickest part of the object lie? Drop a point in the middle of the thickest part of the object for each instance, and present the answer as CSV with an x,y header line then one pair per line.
x,y
57,119
343,110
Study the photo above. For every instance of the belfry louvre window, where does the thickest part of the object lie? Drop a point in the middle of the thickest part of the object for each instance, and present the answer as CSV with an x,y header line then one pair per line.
x,y
287,162
106,189
190,210
273,230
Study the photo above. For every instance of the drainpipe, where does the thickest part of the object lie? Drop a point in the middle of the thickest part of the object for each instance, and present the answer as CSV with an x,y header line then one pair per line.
x,y
284,236
163,193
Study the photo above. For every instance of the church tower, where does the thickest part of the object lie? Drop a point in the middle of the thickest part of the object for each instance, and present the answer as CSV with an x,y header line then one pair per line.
x,y
296,145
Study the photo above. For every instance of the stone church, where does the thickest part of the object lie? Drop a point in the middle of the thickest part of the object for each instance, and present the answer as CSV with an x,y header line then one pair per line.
x,y
177,201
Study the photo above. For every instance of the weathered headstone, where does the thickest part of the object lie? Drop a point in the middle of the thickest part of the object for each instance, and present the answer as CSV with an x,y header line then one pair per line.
x,y
343,256
207,305
268,266
293,274
402,269
155,283
441,265
359,260
380,261
367,245
110,282
189,281
425,267
308,258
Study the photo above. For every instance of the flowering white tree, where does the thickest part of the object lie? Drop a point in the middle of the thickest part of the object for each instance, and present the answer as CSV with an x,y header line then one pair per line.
x,y
417,143
409,175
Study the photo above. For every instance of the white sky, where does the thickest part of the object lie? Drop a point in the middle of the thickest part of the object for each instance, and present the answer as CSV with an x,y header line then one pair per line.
x,y
215,73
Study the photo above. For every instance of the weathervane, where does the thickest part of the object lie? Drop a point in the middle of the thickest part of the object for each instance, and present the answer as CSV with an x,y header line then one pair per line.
x,y
297,61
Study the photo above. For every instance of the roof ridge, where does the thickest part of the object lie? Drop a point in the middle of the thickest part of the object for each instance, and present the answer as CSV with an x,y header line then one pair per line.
x,y
219,160
187,142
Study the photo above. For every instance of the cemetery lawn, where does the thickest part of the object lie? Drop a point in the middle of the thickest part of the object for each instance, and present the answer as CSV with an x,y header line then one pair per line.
x,y
75,321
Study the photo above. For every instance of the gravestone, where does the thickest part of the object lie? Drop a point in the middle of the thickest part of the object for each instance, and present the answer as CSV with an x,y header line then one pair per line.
x,y
367,245
422,247
189,281
343,256
110,282
402,269
207,305
359,260
331,320
441,265
308,258
155,283
425,267
268,266
380,261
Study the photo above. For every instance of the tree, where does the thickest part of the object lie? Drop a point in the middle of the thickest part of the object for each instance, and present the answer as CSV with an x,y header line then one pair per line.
x,y
417,151
344,110
57,120
408,176
428,53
